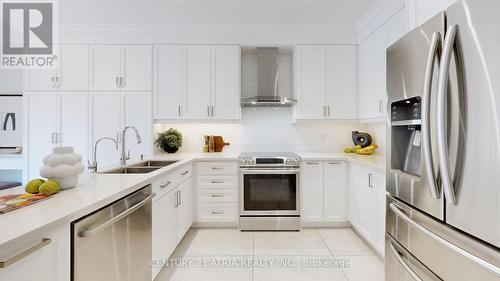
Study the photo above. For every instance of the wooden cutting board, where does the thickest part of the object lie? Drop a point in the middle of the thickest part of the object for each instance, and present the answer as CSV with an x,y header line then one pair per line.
x,y
16,201
219,143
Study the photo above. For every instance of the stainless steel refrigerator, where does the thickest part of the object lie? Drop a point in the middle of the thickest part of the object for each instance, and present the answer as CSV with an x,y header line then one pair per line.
x,y
443,167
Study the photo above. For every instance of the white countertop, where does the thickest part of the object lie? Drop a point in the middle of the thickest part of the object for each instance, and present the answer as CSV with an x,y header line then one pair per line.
x,y
374,161
98,190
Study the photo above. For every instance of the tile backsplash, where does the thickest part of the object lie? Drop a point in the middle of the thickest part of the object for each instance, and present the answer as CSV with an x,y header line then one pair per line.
x,y
270,129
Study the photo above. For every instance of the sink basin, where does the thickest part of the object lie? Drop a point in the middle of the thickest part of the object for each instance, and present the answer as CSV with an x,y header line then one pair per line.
x,y
153,163
132,170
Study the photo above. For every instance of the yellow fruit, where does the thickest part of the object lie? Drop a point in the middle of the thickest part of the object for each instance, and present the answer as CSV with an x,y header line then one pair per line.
x,y
33,186
365,151
51,187
357,147
347,150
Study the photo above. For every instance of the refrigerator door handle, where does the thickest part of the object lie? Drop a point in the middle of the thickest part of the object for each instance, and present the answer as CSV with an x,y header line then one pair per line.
x,y
444,166
426,104
404,264
476,260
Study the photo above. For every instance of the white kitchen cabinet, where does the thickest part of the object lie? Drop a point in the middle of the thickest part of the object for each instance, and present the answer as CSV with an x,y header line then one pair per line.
x,y
323,192
341,78
326,82
73,74
70,72
48,257
185,208
334,191
169,82
226,77
164,232
367,204
111,112
372,73
396,27
217,193
125,67
105,67
372,66
172,213
74,122
42,117
197,81
106,122
363,198
311,192
310,81
55,119
137,67
137,113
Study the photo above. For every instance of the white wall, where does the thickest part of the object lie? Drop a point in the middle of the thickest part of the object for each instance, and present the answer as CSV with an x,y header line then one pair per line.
x,y
268,129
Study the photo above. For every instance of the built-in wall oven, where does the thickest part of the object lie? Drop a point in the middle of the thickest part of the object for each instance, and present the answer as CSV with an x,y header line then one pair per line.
x,y
269,191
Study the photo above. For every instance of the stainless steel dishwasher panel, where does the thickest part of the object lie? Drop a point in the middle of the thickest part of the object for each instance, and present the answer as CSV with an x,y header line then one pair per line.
x,y
114,243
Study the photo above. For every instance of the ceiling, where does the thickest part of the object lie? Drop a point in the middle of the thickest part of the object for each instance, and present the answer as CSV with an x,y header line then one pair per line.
x,y
196,13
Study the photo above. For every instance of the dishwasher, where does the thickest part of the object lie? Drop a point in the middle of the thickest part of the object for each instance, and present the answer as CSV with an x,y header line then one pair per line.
x,y
114,242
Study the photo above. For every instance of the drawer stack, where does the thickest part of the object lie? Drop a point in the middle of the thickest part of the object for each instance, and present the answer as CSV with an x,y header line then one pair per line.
x,y
217,192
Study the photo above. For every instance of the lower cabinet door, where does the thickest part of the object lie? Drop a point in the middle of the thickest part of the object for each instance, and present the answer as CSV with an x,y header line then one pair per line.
x,y
46,258
185,208
164,230
363,201
311,191
334,198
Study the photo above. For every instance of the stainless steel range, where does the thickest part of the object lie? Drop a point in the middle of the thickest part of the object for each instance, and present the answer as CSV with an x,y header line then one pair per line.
x,y
269,191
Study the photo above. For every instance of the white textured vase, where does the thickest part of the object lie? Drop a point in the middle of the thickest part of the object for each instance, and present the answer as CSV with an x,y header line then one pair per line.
x,y
64,166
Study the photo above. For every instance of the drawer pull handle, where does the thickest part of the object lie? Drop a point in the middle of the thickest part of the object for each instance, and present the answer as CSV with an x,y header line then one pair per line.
x,y
166,184
217,212
184,173
218,168
312,163
217,181
217,195
44,242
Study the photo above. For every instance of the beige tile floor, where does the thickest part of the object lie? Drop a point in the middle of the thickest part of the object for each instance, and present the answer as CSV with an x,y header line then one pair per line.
x,y
311,254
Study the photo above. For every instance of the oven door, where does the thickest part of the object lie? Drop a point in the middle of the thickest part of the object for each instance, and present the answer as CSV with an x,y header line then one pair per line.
x,y
269,192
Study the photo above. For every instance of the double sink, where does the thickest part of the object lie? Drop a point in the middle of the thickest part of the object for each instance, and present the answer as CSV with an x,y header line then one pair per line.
x,y
141,167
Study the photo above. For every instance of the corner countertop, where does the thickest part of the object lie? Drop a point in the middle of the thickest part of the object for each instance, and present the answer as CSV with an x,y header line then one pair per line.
x,y
376,161
95,191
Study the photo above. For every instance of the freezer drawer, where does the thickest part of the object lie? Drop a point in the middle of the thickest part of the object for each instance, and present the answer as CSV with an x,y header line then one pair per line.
x,y
400,265
450,254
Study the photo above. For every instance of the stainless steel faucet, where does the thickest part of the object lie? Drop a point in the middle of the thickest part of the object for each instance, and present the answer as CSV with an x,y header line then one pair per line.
x,y
125,156
93,166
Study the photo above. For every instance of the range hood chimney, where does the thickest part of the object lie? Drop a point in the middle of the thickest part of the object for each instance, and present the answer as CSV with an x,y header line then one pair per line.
x,y
267,82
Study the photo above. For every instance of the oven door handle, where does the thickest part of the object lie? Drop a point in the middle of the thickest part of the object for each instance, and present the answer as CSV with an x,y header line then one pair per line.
x,y
271,171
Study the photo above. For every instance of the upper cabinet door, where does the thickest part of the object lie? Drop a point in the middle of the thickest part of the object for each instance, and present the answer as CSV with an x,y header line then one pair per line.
x,y
226,86
42,79
311,82
137,113
197,82
73,67
74,121
137,67
373,96
106,122
43,128
169,85
105,63
396,27
341,82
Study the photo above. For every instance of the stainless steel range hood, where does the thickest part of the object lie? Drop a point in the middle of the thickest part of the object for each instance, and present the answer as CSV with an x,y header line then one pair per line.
x,y
267,82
